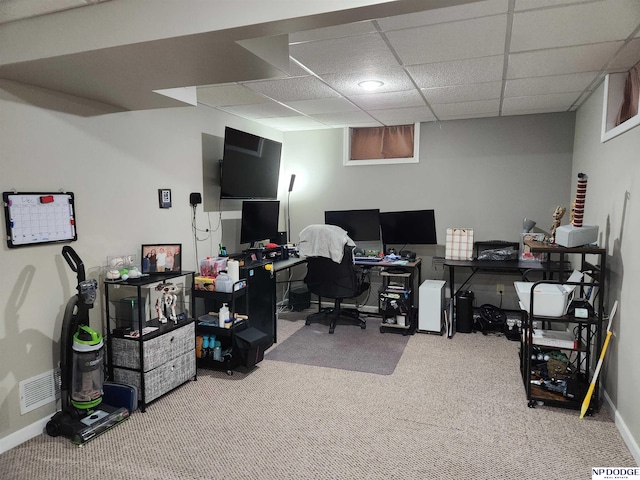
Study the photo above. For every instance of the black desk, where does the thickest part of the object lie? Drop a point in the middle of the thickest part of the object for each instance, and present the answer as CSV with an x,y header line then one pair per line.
x,y
520,267
290,262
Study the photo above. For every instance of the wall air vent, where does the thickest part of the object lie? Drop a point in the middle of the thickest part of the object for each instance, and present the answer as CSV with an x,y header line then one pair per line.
x,y
37,391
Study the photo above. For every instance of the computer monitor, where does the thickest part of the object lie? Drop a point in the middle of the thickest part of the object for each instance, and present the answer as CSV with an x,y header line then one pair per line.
x,y
361,225
259,221
414,227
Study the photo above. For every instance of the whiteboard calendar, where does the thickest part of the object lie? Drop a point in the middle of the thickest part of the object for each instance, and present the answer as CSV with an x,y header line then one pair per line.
x,y
33,218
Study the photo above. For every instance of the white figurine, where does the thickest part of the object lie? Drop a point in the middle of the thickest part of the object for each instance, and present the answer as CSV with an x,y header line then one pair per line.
x,y
167,303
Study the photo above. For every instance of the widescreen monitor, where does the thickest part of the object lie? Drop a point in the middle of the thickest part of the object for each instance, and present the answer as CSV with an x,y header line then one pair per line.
x,y
250,166
259,221
361,225
414,227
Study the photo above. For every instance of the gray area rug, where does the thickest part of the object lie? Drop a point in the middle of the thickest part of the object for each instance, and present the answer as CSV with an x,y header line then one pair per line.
x,y
348,348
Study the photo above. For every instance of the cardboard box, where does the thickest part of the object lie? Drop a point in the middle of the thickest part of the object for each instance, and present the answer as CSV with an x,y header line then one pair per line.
x,y
570,236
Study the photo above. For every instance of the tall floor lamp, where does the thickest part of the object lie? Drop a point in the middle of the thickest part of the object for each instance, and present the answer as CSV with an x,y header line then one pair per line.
x,y
293,179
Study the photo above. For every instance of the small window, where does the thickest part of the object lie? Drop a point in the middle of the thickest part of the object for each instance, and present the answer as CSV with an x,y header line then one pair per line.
x,y
382,145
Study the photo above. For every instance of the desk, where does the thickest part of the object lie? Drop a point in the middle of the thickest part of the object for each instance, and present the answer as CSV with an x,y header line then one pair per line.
x,y
412,266
290,262
497,266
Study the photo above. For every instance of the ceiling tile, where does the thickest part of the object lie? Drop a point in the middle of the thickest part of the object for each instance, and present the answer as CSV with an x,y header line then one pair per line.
x,y
395,79
263,110
468,116
344,55
401,116
292,123
348,118
581,24
459,72
454,41
229,94
467,108
573,82
442,15
323,105
534,4
534,111
463,93
346,30
585,58
376,101
291,89
551,101
628,57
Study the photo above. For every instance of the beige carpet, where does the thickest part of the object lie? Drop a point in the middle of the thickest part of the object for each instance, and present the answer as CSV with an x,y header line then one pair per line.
x,y
452,409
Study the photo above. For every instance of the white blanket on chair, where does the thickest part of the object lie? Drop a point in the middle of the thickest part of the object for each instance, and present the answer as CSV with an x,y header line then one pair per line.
x,y
326,241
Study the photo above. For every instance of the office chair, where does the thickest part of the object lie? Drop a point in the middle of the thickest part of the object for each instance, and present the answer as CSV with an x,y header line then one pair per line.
x,y
329,278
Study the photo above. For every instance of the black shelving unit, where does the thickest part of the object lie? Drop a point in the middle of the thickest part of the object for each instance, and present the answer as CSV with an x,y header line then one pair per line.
x,y
588,331
158,361
397,299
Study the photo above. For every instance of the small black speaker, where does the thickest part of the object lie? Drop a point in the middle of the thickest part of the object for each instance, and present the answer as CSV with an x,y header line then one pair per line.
x,y
281,239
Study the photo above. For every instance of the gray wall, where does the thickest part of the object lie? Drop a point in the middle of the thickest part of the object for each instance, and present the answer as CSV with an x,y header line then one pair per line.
x,y
487,174
612,203
115,165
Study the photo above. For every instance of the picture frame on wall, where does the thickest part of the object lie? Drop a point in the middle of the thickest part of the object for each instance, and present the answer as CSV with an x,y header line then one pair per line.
x,y
161,258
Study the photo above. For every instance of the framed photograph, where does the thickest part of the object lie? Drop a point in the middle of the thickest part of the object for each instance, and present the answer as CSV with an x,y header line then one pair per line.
x,y
162,258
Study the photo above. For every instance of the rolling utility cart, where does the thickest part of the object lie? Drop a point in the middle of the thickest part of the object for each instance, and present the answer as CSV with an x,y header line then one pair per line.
x,y
396,302
558,354
238,343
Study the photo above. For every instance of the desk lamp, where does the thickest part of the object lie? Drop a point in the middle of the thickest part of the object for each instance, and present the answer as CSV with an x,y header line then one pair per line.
x,y
527,225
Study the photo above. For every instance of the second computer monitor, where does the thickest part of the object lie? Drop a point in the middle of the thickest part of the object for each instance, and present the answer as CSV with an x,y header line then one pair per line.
x,y
259,221
361,225
415,227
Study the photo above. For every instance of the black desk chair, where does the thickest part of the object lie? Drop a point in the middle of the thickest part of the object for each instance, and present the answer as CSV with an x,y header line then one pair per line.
x,y
338,281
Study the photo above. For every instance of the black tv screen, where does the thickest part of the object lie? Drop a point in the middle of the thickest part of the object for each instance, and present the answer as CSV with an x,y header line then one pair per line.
x,y
361,225
250,166
415,227
259,220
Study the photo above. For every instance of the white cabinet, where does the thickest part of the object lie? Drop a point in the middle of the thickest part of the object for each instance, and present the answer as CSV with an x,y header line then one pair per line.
x,y
432,303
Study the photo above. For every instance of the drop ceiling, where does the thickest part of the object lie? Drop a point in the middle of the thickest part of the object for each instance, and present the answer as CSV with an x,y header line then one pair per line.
x,y
480,59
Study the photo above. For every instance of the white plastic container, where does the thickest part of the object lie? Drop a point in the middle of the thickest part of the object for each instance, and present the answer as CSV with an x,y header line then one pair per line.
x,y
223,315
550,299
224,283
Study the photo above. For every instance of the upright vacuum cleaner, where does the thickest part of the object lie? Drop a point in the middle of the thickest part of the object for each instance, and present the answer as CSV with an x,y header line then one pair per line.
x,y
84,415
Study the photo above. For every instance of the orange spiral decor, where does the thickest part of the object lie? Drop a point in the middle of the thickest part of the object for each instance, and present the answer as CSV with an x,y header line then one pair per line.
x,y
578,211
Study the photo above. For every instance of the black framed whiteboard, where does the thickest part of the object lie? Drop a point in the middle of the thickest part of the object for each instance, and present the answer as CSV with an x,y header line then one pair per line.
x,y
34,218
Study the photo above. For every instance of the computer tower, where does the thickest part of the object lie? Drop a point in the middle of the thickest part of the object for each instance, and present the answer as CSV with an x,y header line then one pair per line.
x,y
299,298
431,307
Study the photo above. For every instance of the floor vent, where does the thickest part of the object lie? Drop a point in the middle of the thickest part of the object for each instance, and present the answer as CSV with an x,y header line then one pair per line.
x,y
37,391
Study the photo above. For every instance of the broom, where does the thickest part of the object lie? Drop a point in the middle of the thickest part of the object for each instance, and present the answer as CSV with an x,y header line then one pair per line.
x,y
587,398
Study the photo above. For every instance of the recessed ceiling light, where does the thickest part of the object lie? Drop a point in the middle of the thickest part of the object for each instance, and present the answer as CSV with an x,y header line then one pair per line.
x,y
370,84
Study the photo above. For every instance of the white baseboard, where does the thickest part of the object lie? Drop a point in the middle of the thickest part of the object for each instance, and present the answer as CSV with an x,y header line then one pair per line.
x,y
631,443
21,436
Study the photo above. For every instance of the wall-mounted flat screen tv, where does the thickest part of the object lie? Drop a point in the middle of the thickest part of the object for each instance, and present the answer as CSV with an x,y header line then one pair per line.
x,y
250,166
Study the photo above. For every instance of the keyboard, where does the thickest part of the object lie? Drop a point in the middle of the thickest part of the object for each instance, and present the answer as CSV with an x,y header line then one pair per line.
x,y
368,259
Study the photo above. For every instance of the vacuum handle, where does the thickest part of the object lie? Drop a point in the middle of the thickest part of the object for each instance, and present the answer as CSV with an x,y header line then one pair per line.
x,y
74,261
